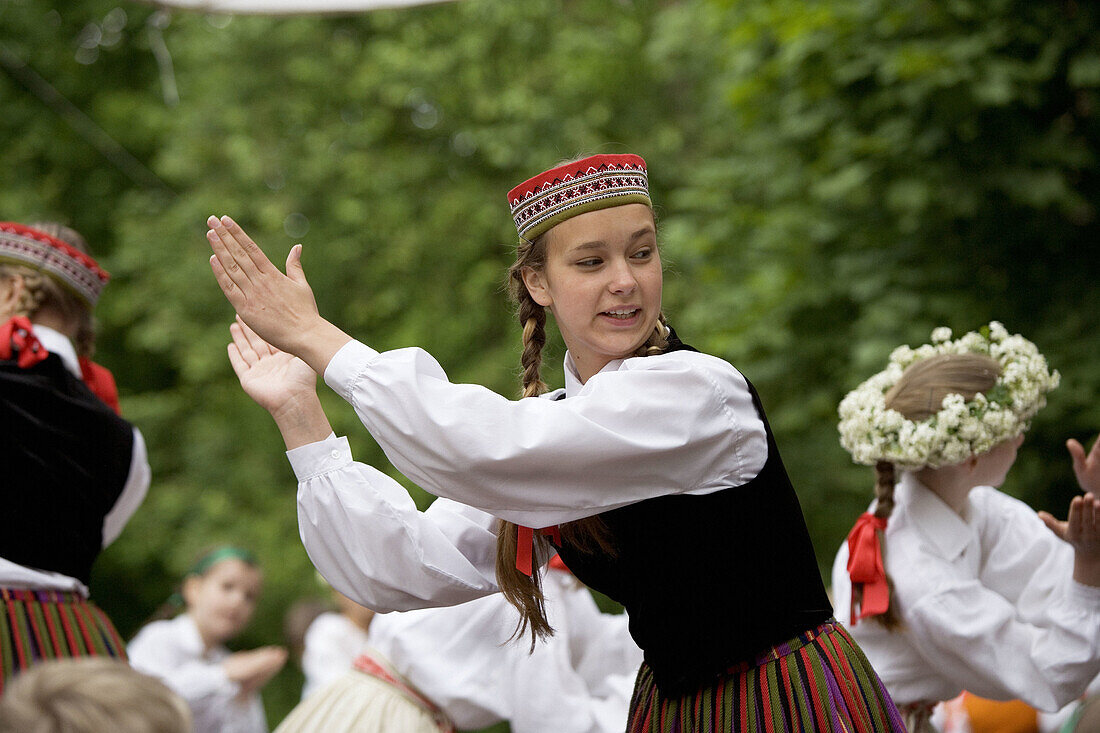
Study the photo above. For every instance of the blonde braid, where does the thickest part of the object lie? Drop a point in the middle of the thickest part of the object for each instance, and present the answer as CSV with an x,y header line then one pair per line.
x,y
532,317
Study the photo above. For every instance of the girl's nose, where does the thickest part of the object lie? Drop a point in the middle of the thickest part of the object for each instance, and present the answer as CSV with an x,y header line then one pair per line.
x,y
622,279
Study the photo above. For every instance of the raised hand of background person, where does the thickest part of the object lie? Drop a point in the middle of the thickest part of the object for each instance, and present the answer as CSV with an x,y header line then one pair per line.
x,y
281,383
1082,531
252,669
1087,467
280,308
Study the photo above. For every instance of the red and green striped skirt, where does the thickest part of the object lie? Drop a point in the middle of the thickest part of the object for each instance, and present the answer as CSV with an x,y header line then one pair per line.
x,y
36,625
817,682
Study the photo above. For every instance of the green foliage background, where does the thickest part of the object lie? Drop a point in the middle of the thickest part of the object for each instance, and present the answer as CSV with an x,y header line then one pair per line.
x,y
833,179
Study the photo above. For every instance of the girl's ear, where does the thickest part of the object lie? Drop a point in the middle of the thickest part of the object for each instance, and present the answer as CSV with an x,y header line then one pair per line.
x,y
535,280
190,589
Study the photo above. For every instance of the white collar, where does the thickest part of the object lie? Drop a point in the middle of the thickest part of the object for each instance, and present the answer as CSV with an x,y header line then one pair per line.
x,y
189,634
938,522
573,383
58,343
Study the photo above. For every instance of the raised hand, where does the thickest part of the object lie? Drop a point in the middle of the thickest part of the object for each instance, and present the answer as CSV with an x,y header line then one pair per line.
x,y
1087,467
271,377
282,384
280,308
1082,530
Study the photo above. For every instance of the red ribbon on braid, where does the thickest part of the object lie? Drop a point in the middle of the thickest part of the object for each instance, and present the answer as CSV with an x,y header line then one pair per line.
x,y
525,546
865,566
17,337
100,380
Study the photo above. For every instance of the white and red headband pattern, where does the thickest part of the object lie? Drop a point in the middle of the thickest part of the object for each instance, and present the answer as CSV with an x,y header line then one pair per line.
x,y
595,182
22,245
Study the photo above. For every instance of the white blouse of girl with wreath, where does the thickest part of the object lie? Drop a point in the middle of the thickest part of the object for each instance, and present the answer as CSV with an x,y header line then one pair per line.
x,y
985,595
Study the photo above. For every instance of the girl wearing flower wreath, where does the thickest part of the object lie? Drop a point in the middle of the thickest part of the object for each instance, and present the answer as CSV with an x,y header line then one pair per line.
x,y
946,582
74,470
653,473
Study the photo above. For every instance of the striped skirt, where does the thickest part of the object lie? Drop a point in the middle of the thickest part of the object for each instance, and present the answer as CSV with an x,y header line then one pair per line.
x,y
817,682
36,625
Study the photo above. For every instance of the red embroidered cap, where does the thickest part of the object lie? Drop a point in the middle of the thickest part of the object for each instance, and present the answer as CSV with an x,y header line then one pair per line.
x,y
595,182
32,248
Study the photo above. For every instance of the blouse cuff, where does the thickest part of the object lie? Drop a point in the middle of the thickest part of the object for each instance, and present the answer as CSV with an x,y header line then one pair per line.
x,y
314,459
347,365
1086,596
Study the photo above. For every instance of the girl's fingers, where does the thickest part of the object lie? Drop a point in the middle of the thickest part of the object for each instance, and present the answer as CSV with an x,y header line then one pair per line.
x,y
230,253
232,293
240,367
240,340
1077,451
244,243
255,342
1055,526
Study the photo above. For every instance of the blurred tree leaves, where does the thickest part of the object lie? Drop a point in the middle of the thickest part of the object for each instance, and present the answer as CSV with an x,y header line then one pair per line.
x,y
833,179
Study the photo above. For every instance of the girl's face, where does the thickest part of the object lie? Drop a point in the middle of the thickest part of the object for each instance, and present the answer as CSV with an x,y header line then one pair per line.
x,y
222,600
991,467
602,281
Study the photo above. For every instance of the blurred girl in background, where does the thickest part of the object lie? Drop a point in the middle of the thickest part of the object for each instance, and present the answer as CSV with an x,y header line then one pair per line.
x,y
188,652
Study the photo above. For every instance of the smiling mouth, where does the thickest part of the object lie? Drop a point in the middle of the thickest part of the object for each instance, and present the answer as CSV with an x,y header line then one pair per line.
x,y
622,314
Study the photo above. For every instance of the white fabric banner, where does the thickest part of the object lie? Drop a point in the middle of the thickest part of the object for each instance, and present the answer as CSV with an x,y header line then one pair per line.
x,y
287,7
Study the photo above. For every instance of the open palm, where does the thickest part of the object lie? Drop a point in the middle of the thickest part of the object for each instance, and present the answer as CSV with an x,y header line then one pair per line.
x,y
271,377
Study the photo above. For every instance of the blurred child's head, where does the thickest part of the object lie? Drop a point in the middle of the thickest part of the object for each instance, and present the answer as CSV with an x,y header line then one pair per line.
x,y
220,593
90,695
52,278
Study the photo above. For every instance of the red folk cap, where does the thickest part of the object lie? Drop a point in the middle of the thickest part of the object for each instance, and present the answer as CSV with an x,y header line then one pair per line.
x,y
22,245
595,182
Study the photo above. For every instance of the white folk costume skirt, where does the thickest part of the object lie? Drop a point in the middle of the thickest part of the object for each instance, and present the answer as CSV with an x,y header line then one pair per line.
x,y
37,625
370,698
818,682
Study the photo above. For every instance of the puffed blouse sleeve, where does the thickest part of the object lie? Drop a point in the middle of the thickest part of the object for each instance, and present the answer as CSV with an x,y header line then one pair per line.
x,y
1024,628
681,422
365,535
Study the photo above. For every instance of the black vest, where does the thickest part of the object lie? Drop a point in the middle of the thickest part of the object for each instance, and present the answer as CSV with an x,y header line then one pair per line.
x,y
66,456
710,581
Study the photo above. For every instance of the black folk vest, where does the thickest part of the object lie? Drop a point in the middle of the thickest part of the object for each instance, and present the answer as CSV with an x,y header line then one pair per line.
x,y
710,581
66,457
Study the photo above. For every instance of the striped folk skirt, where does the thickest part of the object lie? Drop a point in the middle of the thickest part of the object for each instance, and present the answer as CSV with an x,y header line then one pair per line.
x,y
819,681
36,625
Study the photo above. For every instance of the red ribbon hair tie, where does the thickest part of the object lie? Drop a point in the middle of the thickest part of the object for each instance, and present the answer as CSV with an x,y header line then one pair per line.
x,y
525,546
100,380
17,336
865,567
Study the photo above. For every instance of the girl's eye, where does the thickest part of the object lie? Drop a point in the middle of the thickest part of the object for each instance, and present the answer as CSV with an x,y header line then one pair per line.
x,y
643,254
590,262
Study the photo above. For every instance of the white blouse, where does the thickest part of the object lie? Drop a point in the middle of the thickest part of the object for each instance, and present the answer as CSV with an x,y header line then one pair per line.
x,y
331,644
13,575
462,658
681,422
988,602
172,651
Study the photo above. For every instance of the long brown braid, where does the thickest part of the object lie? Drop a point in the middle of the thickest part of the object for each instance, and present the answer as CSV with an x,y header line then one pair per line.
x,y
590,534
918,395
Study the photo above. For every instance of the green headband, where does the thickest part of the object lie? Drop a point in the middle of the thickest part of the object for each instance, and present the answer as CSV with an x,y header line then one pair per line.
x,y
215,556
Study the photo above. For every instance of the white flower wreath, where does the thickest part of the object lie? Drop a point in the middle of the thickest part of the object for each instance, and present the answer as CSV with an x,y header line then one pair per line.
x,y
872,433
